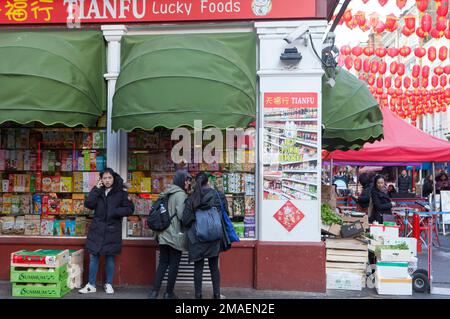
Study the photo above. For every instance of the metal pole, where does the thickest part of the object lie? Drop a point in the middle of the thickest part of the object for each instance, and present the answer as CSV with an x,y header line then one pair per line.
x,y
331,171
433,202
357,178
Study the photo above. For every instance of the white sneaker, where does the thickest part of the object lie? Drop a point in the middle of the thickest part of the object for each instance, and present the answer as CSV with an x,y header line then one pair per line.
x,y
87,289
109,289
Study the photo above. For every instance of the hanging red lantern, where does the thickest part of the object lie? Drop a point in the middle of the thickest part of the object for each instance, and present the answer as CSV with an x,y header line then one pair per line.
x,y
374,66
434,81
401,69
410,21
346,50
407,82
391,22
405,51
420,52
392,52
388,82
425,71
436,34
443,81
447,69
381,52
362,77
391,91
420,33
416,71
357,51
425,82
366,66
382,67
393,67
360,18
416,83
357,63
371,79
422,5
398,82
439,70
382,2
368,51
348,62
365,27
432,53
442,8
441,23
426,22
379,82
407,32
347,16
401,3
380,27
374,18
447,33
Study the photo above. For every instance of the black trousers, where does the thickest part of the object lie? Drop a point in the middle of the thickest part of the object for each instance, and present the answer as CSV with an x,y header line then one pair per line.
x,y
168,258
376,216
213,263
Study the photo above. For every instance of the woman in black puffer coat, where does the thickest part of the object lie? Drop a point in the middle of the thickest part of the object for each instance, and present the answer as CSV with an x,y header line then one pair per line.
x,y
381,201
110,201
203,198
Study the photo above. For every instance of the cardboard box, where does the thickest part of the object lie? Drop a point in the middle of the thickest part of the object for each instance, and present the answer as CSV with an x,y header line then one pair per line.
x,y
384,231
397,287
394,255
392,269
344,281
334,229
411,242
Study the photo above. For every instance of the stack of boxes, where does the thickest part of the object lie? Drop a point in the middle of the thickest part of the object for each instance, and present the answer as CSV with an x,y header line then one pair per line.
x,y
75,269
40,273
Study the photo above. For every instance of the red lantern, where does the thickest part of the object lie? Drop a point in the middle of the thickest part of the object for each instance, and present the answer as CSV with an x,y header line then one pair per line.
x,y
432,53
392,52
416,83
436,34
405,51
420,52
407,32
422,5
410,21
382,67
443,81
357,64
393,67
380,82
366,66
441,23
391,22
360,18
369,51
365,27
382,2
348,62
447,69
426,22
439,70
388,82
371,79
374,18
425,82
398,83
425,71
447,33
407,82
346,50
401,69
442,8
401,3
420,33
380,27
374,66
347,16
434,81
357,51
380,52
362,78
416,71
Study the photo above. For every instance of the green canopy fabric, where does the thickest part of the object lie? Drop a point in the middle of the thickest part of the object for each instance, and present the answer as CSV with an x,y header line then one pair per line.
x,y
52,77
170,81
350,114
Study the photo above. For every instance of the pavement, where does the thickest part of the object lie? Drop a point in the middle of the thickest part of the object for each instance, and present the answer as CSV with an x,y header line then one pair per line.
x,y
440,273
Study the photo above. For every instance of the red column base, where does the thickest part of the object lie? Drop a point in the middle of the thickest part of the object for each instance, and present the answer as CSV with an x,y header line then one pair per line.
x,y
290,266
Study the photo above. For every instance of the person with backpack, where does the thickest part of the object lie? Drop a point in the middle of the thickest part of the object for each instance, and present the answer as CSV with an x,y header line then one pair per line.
x,y
202,217
172,240
110,201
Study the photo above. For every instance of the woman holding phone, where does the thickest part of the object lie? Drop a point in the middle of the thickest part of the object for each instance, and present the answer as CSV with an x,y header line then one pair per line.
x,y
110,201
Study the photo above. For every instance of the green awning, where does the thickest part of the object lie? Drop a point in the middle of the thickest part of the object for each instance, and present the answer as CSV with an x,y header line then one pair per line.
x,y
350,114
170,81
52,77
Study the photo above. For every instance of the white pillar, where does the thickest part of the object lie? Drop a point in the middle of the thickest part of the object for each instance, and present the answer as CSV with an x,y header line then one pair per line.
x,y
277,77
113,34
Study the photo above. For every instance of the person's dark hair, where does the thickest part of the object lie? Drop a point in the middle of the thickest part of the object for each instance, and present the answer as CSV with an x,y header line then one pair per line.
x,y
364,179
109,171
375,180
180,179
200,181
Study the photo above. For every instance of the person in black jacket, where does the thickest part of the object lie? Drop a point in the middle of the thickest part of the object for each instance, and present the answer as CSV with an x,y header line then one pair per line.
x,y
404,183
203,198
427,186
381,201
364,199
110,201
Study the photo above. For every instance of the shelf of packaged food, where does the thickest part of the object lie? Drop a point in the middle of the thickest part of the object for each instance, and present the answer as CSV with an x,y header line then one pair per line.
x,y
302,161
297,129
297,181
273,143
300,171
296,140
280,119
278,193
301,191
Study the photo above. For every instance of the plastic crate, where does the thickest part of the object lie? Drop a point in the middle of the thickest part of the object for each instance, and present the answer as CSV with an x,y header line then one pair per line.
x,y
30,290
40,258
49,275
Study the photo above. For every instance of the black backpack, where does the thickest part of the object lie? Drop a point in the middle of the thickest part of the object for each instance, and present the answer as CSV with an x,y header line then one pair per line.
x,y
159,218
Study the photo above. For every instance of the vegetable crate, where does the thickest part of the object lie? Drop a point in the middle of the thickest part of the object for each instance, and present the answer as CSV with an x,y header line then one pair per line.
x,y
39,275
347,255
56,290
40,258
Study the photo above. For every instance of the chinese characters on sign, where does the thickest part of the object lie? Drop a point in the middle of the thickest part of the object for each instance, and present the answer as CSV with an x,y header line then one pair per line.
x,y
290,146
120,11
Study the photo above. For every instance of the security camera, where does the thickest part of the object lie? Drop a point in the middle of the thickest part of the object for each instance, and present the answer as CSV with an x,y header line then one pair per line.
x,y
296,34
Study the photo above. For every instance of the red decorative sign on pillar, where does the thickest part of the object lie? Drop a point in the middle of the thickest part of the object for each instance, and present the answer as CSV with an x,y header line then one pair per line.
x,y
289,216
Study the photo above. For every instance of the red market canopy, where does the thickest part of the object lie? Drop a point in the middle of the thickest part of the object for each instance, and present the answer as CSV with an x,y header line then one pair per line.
x,y
402,143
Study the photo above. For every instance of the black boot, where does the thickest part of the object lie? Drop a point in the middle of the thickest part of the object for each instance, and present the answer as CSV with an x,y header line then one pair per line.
x,y
216,296
198,296
170,295
153,294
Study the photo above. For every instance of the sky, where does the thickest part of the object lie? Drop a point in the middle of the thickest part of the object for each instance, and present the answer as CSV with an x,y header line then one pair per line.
x,y
345,36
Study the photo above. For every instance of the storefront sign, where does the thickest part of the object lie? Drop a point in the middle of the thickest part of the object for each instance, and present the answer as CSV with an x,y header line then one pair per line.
x,y
122,11
290,146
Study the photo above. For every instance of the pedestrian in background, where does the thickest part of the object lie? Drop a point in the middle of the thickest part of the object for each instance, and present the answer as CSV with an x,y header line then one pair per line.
x,y
382,204
110,201
404,183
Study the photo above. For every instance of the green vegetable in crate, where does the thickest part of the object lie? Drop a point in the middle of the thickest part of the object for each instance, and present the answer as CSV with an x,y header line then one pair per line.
x,y
402,246
328,216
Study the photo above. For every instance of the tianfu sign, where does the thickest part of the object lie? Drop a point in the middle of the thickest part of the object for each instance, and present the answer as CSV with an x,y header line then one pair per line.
x,y
121,11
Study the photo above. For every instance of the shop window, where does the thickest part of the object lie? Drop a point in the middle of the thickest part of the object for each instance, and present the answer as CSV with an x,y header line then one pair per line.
x,y
46,173
151,169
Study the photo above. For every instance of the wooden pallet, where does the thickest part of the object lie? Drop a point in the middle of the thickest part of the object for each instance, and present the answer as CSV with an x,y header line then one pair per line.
x,y
347,255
